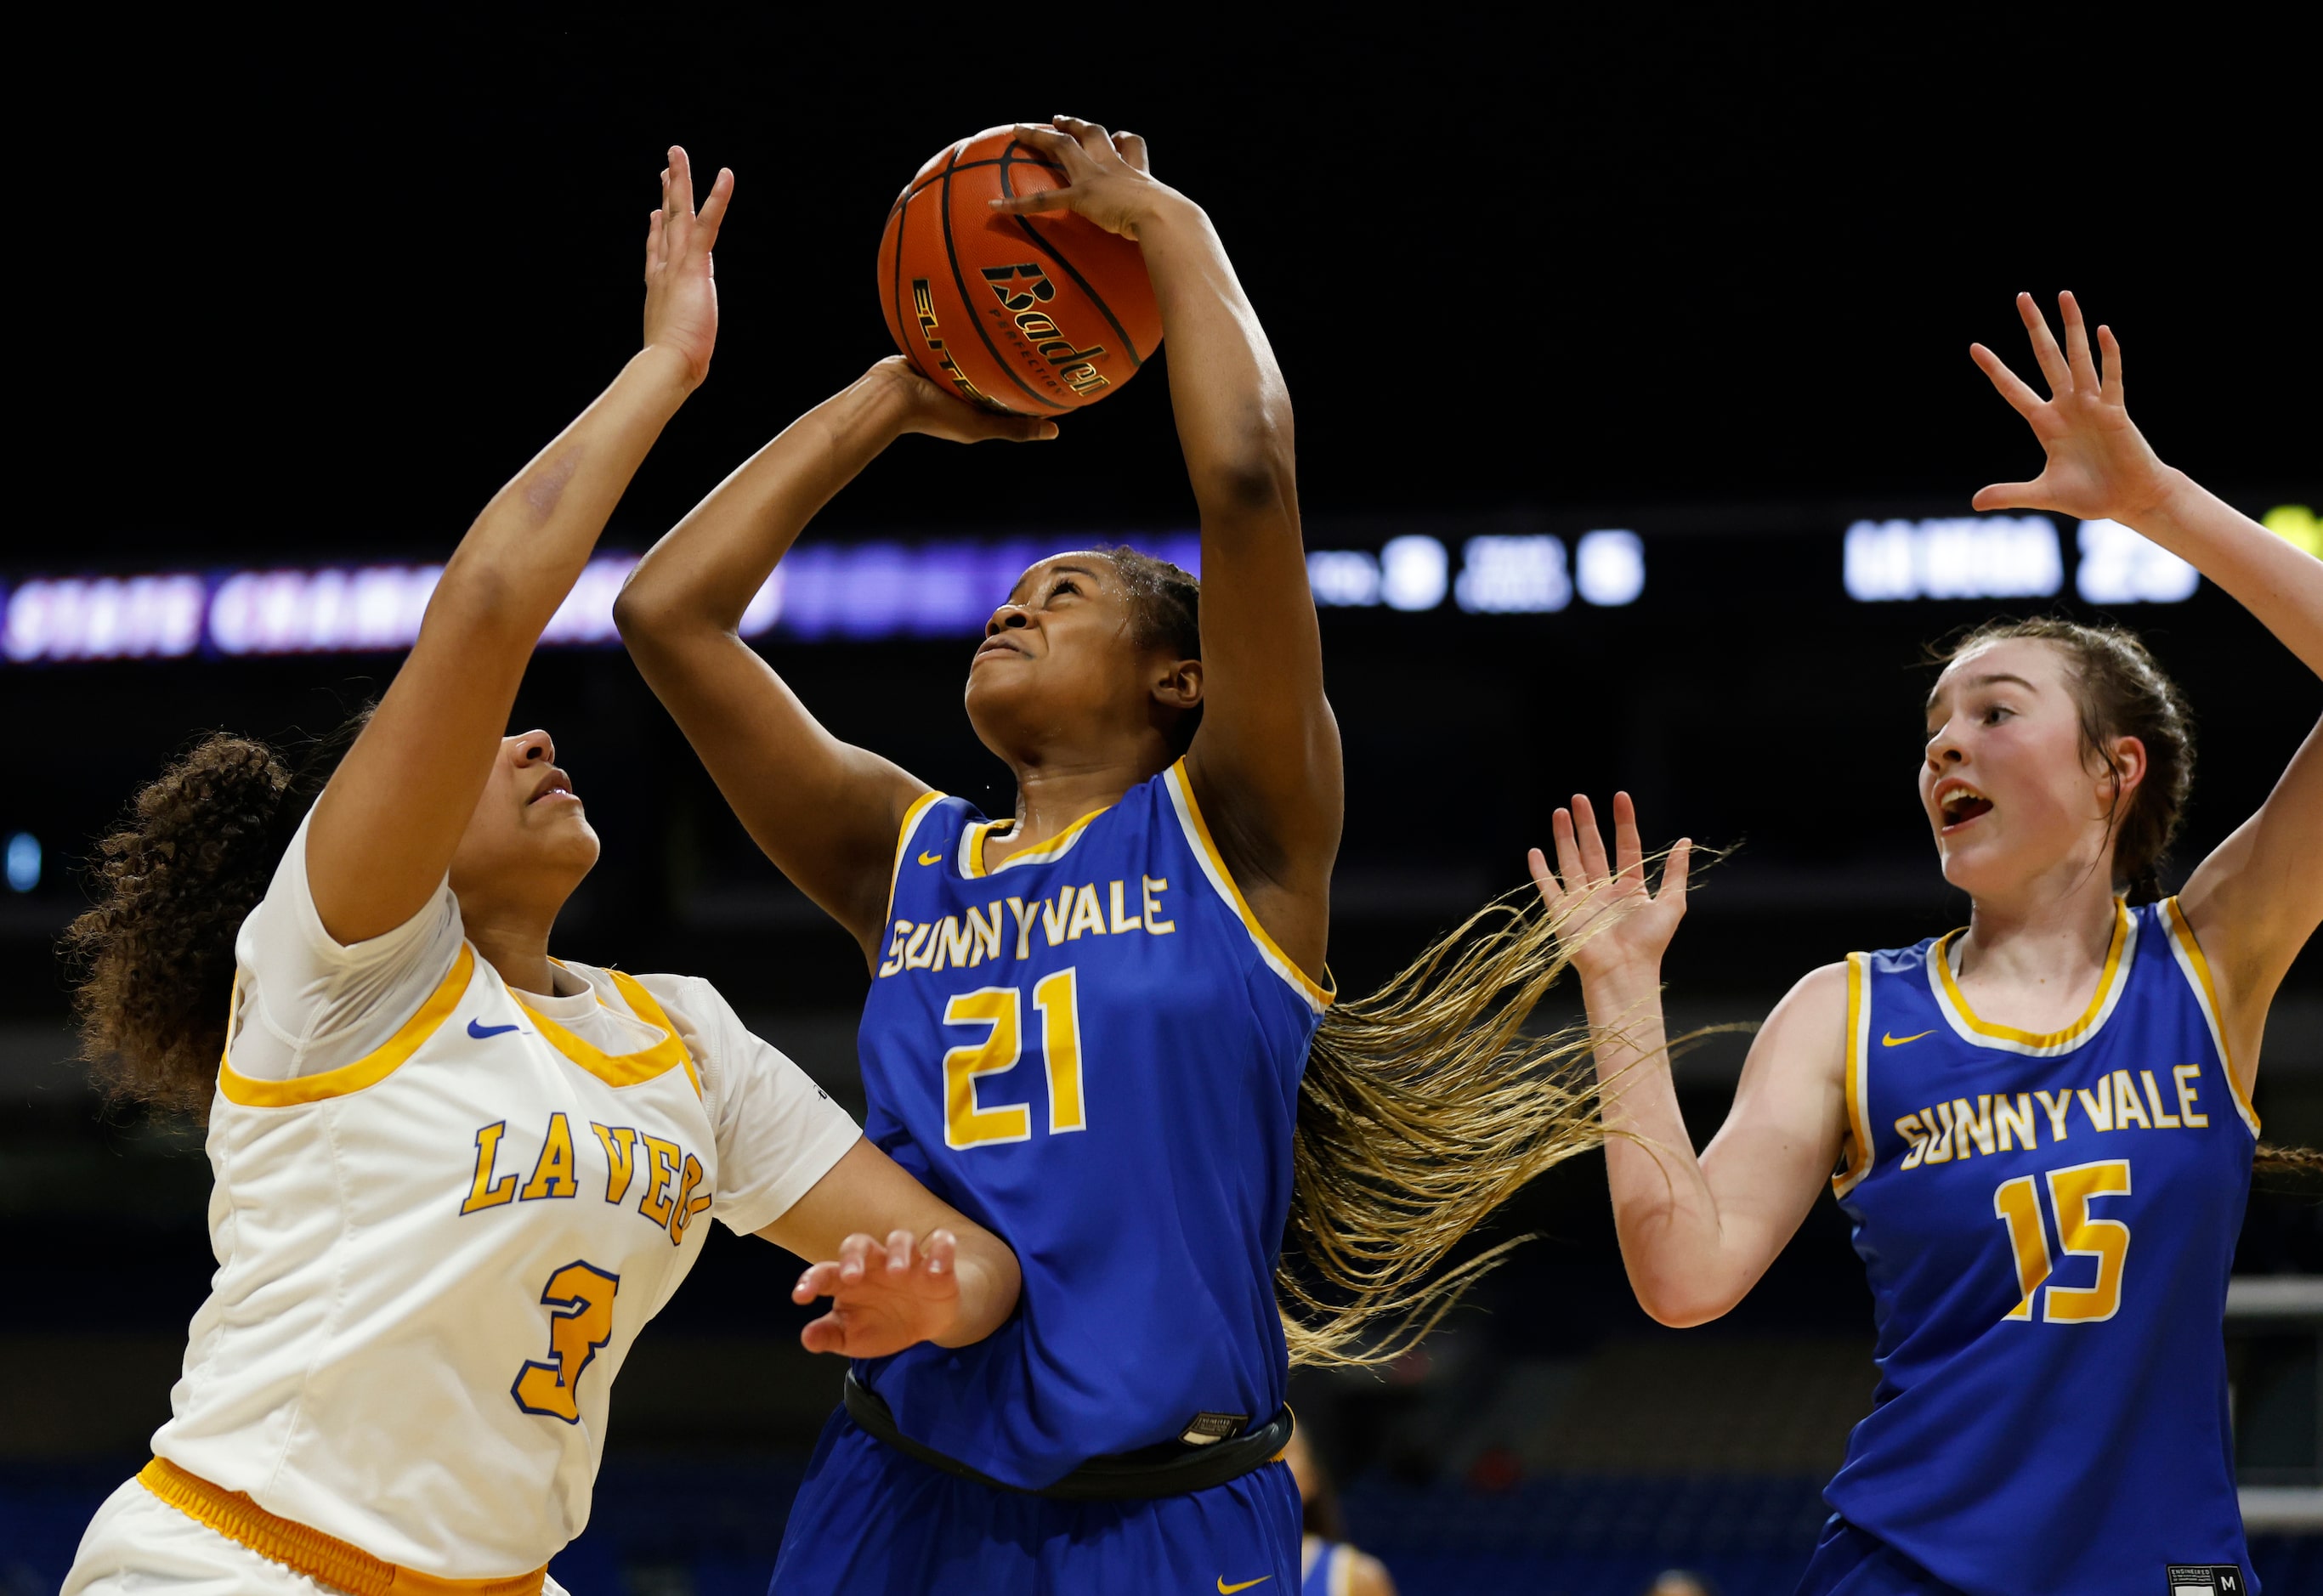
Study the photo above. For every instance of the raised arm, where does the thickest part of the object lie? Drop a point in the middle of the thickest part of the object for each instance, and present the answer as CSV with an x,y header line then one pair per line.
x,y
2255,900
825,811
386,827
1696,1231
1266,762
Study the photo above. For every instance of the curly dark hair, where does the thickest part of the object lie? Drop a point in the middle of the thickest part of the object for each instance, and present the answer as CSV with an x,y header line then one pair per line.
x,y
154,958
1168,603
2120,691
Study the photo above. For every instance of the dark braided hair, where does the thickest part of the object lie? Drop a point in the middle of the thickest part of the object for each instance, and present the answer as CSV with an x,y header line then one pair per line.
x,y
154,958
1167,604
2120,691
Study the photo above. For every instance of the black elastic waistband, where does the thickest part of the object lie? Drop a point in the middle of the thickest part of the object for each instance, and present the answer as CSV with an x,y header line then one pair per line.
x,y
1171,1469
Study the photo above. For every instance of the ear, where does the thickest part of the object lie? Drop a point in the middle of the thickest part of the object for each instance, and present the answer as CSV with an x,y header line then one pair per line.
x,y
2129,761
1179,685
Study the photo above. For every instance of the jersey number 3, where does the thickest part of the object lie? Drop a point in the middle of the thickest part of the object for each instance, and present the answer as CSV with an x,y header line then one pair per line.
x,y
1001,1010
2018,1202
580,1302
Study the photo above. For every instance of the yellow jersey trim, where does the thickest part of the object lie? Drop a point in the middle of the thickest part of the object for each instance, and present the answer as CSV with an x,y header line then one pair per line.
x,y
972,840
2197,970
1858,1087
919,806
2110,982
619,1069
322,1558
1214,864
369,1070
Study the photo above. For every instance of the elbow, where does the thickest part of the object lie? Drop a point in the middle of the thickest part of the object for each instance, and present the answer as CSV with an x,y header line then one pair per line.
x,y
1682,1307
1259,482
642,610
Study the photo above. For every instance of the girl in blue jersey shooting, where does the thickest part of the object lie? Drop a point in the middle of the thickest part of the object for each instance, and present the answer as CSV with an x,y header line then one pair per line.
x,y
2042,1124
1089,1022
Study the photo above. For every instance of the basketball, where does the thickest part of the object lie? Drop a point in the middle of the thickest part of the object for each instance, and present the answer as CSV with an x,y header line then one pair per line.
x,y
1033,315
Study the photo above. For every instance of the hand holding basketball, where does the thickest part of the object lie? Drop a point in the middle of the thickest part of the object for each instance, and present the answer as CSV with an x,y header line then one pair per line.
x,y
928,410
884,1297
1108,177
2099,466
681,291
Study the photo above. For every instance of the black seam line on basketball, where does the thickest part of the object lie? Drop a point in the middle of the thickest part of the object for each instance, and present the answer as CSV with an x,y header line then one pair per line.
x,y
913,188
1094,297
902,214
975,320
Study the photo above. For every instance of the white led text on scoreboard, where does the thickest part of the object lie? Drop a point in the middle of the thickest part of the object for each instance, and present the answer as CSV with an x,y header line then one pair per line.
x,y
2008,557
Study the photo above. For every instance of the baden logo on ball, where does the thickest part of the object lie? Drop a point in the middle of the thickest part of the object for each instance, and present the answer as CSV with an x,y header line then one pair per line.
x,y
1035,316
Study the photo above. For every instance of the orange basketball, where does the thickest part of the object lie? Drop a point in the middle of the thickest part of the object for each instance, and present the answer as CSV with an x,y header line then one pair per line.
x,y
1034,315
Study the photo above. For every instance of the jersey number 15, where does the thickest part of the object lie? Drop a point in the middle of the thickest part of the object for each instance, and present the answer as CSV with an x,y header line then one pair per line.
x,y
2070,1192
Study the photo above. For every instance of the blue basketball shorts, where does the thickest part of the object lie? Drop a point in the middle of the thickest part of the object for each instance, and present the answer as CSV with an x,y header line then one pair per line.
x,y
1850,1562
870,1518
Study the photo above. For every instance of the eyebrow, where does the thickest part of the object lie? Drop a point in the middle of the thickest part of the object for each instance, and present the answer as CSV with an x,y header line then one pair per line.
x,y
1053,570
1988,679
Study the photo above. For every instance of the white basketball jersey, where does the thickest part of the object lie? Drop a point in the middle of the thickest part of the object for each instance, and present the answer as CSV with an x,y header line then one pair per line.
x,y
432,1262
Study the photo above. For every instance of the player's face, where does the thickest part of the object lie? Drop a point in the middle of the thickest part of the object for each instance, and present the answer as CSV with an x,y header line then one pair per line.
x,y
2009,788
1061,665
529,839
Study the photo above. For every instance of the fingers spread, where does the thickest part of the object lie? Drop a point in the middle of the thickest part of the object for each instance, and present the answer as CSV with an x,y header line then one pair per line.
x,y
1131,148
940,1256
713,212
1629,850
2111,346
1542,877
899,1252
2077,344
2025,402
1592,841
2008,496
1568,851
680,184
1033,203
1674,868
2044,347
1093,139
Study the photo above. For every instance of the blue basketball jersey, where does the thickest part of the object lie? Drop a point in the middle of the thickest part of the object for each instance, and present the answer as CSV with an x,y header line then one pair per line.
x,y
1095,1051
2048,1222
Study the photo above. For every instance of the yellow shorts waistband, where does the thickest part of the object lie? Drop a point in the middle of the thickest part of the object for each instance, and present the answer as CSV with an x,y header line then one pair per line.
x,y
310,1552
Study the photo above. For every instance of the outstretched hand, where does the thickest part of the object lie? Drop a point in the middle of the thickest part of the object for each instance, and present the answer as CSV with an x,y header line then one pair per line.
x,y
1108,178
1605,917
883,1299
681,290
2100,468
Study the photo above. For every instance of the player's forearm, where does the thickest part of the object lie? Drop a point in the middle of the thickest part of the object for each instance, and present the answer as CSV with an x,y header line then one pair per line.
x,y
1233,408
706,571
1664,1209
990,1281
2281,585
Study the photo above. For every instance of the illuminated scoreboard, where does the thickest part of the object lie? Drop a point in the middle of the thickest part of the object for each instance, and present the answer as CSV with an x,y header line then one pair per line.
x,y
1677,562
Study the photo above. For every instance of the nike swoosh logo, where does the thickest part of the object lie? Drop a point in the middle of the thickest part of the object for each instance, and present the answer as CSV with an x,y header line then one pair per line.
x,y
1227,1590
937,858
1890,1039
478,1030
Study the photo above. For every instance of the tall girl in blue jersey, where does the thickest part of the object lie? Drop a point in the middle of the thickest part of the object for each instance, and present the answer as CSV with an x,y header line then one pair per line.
x,y
1088,1021
2042,1124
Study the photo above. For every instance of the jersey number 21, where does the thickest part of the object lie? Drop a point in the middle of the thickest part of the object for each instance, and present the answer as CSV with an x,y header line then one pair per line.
x,y
1001,1011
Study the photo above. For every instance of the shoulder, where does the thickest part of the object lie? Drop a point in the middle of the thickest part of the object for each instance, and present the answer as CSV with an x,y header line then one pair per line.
x,y
1808,1029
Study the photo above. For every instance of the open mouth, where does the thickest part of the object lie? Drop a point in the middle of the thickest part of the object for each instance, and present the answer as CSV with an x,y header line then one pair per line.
x,y
557,787
1959,803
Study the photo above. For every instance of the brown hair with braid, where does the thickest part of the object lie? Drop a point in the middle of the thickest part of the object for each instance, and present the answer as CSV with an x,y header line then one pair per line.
x,y
153,958
1423,1107
2120,691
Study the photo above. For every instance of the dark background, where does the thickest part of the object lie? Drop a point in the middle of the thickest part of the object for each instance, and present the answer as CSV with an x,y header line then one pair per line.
x,y
311,293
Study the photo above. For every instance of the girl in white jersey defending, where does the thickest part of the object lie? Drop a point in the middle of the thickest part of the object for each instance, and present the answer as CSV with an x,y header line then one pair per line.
x,y
454,1176
2042,1124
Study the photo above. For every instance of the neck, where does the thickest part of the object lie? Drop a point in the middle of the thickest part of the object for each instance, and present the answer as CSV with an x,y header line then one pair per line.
x,y
1051,795
514,942
2056,927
